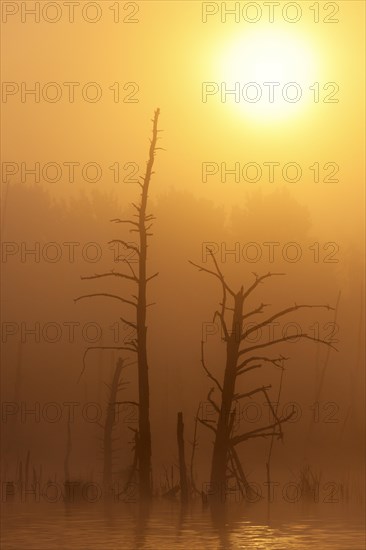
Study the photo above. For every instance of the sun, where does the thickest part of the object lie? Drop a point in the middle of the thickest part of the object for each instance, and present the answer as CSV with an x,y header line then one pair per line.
x,y
270,72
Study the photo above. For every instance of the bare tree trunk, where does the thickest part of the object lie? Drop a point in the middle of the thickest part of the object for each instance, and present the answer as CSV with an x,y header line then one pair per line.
x,y
222,440
139,345
143,368
182,461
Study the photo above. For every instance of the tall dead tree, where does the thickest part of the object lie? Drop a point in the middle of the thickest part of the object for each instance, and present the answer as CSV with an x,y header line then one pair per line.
x,y
141,226
240,360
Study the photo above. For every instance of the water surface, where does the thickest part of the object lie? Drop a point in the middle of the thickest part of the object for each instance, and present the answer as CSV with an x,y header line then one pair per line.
x,y
166,526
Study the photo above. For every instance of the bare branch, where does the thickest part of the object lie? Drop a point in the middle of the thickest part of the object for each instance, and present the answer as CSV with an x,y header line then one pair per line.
x,y
112,273
265,434
280,314
286,339
133,343
254,311
206,369
220,315
258,280
216,274
261,432
200,268
257,366
131,269
209,398
126,245
118,220
220,273
129,323
273,411
152,276
206,424
105,295
249,490
252,392
226,308
126,403
277,362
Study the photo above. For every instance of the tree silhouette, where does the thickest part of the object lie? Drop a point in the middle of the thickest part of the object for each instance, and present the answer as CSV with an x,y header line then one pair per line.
x,y
142,226
240,360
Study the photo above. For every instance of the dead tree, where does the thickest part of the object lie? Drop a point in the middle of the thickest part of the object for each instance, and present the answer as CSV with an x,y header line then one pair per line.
x,y
142,227
240,360
194,444
183,482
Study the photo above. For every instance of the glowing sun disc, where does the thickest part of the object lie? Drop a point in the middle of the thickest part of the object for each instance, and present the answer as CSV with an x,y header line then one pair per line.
x,y
272,60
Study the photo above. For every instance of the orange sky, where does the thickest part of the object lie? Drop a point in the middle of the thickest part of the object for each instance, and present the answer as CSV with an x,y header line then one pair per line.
x,y
170,52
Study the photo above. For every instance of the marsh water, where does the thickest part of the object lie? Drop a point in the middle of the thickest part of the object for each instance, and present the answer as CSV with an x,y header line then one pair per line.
x,y
166,526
